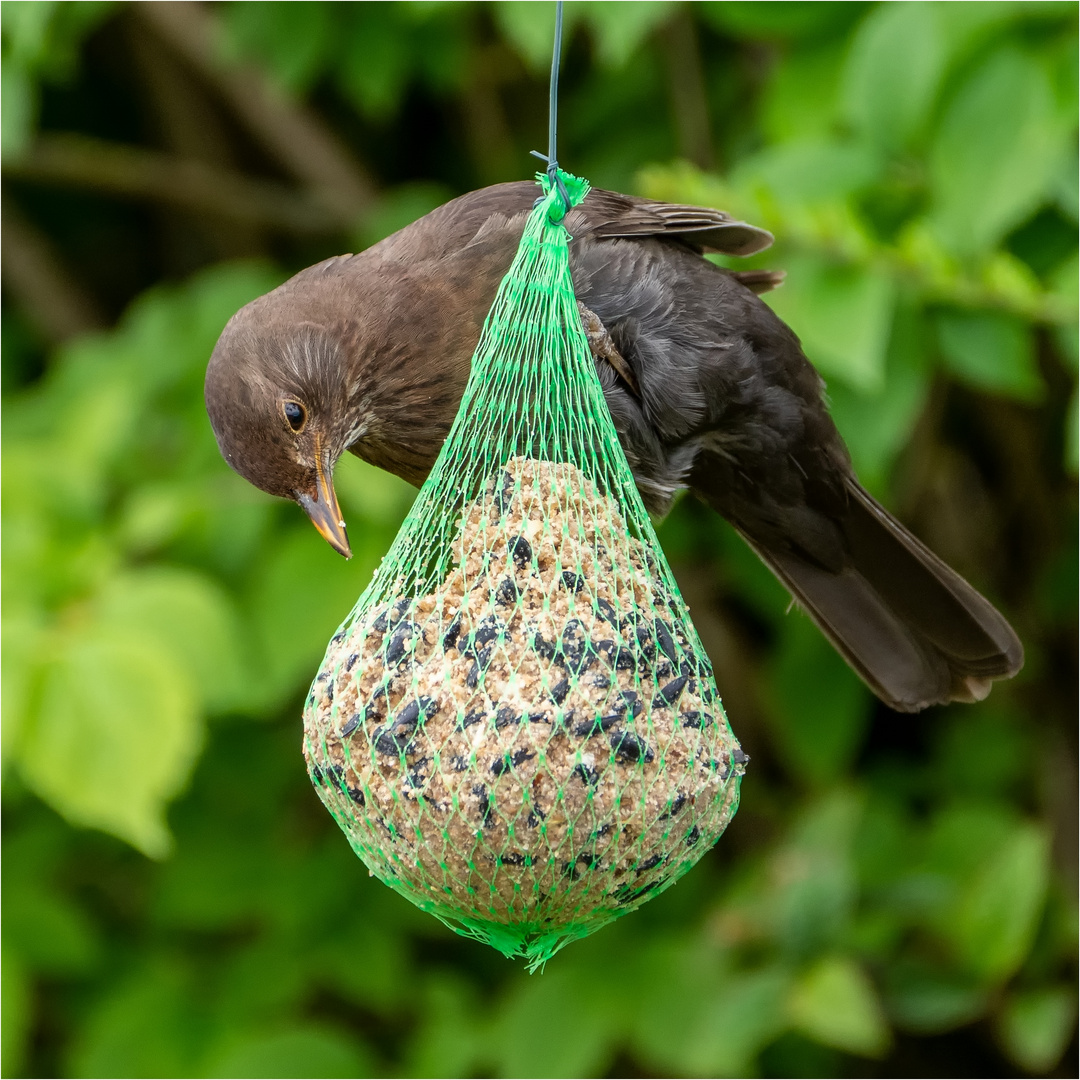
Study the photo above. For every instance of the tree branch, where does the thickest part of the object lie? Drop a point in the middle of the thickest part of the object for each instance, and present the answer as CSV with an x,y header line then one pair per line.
x,y
190,126
294,135
83,161
38,280
686,82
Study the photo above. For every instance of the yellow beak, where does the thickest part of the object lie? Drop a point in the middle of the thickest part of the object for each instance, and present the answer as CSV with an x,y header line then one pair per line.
x,y
323,509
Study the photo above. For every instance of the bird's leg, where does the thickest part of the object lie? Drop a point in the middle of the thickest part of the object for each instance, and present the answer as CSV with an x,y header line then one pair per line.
x,y
603,348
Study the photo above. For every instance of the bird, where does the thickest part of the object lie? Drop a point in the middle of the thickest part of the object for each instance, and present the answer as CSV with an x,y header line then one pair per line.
x,y
708,388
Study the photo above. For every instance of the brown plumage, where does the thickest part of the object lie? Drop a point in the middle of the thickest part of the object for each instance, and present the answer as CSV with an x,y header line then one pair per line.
x,y
707,387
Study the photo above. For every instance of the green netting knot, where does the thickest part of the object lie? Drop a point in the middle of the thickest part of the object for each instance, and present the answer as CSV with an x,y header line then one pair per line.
x,y
574,186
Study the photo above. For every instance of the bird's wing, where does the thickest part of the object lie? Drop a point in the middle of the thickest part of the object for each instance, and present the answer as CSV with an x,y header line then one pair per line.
x,y
609,215
603,215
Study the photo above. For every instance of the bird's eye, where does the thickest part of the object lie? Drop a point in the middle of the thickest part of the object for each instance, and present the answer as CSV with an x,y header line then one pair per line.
x,y
295,414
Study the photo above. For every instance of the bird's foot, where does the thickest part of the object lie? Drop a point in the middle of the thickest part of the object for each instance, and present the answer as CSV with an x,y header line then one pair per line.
x,y
603,348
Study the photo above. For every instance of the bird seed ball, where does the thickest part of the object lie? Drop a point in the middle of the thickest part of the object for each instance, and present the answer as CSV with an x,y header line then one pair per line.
x,y
536,740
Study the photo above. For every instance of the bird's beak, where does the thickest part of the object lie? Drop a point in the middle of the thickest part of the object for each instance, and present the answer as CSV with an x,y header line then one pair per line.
x,y
323,509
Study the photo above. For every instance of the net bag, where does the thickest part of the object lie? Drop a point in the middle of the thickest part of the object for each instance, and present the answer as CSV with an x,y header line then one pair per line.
x,y
516,726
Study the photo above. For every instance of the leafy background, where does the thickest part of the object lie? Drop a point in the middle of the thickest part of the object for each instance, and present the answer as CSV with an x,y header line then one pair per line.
x,y
897,896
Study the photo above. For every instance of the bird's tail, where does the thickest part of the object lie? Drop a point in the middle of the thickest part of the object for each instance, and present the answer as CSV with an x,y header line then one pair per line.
x,y
916,631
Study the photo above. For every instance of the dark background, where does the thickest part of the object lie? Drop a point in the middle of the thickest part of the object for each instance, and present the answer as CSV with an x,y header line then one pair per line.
x,y
897,895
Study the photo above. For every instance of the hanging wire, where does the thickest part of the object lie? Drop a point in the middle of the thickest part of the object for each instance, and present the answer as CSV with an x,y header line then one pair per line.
x,y
553,108
553,98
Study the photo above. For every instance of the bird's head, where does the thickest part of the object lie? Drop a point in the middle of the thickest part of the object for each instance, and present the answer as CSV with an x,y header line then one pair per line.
x,y
280,415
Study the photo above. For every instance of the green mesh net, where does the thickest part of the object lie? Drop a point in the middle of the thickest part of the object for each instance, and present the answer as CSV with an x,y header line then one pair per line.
x,y
517,727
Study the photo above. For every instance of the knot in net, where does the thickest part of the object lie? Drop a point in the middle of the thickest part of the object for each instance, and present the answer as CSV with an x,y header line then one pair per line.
x,y
516,726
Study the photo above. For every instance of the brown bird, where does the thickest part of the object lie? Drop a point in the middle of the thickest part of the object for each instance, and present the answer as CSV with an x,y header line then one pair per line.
x,y
708,390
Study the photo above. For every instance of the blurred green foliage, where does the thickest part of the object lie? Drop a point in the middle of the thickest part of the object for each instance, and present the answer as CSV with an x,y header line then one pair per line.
x,y
897,895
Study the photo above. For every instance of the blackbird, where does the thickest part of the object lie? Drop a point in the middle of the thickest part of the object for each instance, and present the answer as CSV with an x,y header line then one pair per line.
x,y
708,390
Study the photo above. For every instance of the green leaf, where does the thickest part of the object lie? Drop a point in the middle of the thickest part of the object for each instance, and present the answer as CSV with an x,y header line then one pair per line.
x,y
805,172
964,836
373,494
300,1050
781,18
398,207
893,72
929,1000
18,109
292,635
877,426
179,325
114,736
194,622
442,42
40,40
176,325
209,298
969,27
451,1033
147,1024
799,101
384,978
15,1015
585,1012
1054,592
217,881
265,979
1035,1027
155,514
884,842
1065,191
793,1054
820,708
293,40
980,752
49,932
377,61
843,315
94,427
1065,282
996,152
998,911
814,868
836,1004
992,351
23,633
1065,73
735,1023
26,30
671,986
619,27
530,29
44,37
